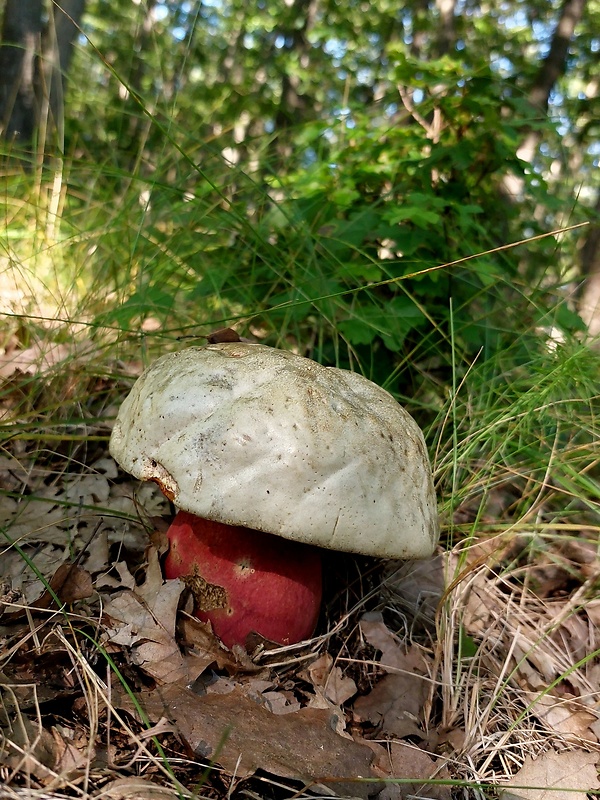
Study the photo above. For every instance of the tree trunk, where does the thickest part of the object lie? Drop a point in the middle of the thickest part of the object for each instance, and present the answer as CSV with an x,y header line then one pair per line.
x,y
19,51
551,69
589,301
293,106
33,63
58,50
553,66
446,35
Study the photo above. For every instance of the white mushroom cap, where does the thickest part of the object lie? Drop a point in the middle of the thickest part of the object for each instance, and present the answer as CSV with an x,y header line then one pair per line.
x,y
249,435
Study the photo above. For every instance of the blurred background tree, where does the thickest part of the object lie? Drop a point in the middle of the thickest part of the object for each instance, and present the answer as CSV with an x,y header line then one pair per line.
x,y
35,54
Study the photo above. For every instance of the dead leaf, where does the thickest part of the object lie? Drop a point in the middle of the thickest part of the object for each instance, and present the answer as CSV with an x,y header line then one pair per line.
x,y
280,702
550,772
96,557
592,609
125,579
69,758
328,680
16,573
330,685
242,736
395,655
39,359
223,335
46,517
40,518
573,636
69,583
147,634
566,716
106,466
414,589
395,704
144,621
203,648
134,788
401,760
28,748
87,489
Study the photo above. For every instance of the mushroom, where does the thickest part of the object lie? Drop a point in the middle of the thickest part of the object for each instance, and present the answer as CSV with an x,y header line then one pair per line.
x,y
269,456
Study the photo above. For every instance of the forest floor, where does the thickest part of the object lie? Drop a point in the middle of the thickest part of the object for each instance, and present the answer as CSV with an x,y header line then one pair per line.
x,y
469,675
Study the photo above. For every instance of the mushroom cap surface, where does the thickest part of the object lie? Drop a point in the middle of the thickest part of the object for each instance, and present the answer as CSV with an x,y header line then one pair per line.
x,y
246,434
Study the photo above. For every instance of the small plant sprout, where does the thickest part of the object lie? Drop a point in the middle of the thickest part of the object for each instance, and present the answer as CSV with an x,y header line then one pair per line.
x,y
269,457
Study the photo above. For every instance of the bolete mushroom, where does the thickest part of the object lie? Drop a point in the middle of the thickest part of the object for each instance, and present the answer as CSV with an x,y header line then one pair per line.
x,y
269,456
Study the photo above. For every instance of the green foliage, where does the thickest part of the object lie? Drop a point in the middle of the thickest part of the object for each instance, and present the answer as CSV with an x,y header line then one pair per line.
x,y
318,174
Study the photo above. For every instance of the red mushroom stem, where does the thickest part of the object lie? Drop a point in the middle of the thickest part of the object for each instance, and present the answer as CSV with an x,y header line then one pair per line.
x,y
245,580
